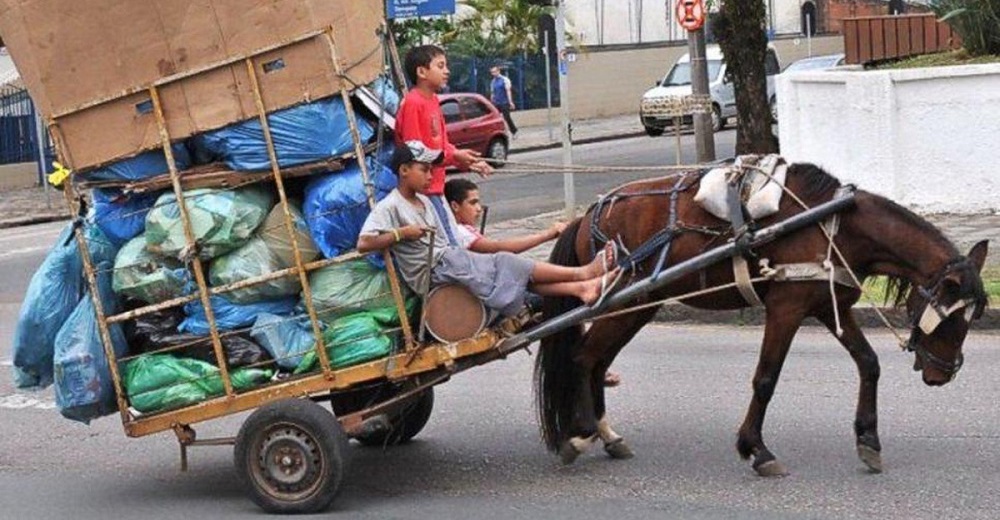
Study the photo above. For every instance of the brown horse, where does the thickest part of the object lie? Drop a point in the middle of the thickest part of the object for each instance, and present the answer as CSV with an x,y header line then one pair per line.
x,y
942,291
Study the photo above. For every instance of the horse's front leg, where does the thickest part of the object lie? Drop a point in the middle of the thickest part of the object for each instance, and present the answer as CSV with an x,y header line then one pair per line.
x,y
866,417
782,323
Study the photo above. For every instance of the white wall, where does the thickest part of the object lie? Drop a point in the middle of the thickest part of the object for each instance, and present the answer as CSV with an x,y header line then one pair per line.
x,y
926,138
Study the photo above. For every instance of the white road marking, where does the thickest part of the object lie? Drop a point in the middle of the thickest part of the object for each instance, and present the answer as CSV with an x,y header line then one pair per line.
x,y
23,251
6,363
23,402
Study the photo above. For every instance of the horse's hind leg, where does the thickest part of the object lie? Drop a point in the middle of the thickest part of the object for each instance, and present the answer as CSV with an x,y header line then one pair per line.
x,y
866,417
782,323
601,344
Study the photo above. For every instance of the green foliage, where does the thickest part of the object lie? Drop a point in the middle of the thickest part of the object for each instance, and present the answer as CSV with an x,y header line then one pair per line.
x,y
976,21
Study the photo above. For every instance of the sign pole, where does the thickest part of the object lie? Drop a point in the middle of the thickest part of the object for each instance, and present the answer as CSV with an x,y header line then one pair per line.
x,y
569,193
704,136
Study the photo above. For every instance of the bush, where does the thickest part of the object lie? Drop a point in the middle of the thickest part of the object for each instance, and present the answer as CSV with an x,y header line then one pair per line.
x,y
976,21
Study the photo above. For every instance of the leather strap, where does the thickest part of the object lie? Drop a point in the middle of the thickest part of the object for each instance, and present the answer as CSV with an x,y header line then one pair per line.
x,y
741,272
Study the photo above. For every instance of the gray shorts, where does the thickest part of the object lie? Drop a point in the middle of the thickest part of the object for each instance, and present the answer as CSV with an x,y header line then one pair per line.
x,y
500,280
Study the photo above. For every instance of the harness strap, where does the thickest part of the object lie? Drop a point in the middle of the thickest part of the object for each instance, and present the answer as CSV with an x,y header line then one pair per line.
x,y
806,272
741,274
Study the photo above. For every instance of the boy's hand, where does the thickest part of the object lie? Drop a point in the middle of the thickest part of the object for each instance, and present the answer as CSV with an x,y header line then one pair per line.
x,y
557,228
482,168
466,158
412,232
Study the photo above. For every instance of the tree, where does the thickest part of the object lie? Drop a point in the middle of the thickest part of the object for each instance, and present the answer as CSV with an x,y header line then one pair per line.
x,y
739,29
501,27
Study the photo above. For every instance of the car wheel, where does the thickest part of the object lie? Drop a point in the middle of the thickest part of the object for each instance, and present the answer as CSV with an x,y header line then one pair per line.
x,y
653,131
498,152
718,122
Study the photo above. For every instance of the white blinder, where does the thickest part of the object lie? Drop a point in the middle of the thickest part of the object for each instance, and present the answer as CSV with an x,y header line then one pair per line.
x,y
934,315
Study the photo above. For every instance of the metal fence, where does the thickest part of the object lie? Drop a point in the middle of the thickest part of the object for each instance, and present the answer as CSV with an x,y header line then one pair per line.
x,y
526,73
18,133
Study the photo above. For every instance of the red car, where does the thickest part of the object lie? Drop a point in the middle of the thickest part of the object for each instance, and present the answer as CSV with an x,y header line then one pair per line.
x,y
473,122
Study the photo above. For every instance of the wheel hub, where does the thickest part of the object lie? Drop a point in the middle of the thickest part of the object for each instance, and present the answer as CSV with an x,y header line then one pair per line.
x,y
289,461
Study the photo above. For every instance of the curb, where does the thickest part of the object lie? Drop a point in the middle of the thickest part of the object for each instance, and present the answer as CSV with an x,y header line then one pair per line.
x,y
36,219
587,140
754,317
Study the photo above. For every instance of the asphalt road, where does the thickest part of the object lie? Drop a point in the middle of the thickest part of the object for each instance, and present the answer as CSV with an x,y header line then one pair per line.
x,y
684,394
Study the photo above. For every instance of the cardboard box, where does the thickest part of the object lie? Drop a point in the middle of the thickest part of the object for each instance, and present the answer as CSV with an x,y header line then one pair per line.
x,y
88,64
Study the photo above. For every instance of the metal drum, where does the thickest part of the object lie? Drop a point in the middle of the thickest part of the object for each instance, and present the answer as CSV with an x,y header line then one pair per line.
x,y
452,313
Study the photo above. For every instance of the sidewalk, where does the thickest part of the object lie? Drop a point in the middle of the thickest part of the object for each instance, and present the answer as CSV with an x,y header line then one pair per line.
x,y
530,138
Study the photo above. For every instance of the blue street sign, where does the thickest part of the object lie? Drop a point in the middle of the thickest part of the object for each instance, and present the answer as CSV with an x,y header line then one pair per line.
x,y
412,8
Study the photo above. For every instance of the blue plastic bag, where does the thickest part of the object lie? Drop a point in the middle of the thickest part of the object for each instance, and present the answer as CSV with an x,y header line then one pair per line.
x,y
142,166
83,384
52,295
286,339
302,134
230,316
336,207
121,217
386,93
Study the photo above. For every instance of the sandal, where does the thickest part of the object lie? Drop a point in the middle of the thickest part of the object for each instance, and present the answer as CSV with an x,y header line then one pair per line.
x,y
608,286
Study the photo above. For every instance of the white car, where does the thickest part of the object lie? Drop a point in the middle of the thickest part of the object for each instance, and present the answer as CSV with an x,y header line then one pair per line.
x,y
677,82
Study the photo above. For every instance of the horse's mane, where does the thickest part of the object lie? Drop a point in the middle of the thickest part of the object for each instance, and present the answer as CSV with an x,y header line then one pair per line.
x,y
816,183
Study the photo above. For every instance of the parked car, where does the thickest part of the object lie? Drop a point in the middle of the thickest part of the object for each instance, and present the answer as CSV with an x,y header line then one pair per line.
x,y
473,122
677,82
815,63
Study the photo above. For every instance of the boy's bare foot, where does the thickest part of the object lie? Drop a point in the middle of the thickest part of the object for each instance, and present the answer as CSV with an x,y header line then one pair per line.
x,y
596,288
612,379
605,260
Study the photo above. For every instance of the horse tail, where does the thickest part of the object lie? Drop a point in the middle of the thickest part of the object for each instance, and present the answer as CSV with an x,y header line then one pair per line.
x,y
554,382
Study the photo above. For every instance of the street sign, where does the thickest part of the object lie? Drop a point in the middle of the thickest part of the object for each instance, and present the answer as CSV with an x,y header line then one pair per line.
x,y
413,8
690,14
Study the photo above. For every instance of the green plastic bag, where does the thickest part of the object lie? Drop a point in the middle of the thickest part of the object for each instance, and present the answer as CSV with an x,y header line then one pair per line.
x,y
351,340
351,287
158,382
145,276
222,220
252,260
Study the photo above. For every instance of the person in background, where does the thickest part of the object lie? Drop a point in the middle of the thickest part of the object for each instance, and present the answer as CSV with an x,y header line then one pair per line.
x,y
420,119
502,97
463,198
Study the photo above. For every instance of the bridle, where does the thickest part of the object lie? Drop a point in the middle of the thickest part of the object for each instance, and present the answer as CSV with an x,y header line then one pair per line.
x,y
935,312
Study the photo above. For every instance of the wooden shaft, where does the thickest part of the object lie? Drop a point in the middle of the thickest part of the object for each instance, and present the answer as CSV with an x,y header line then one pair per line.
x,y
397,292
324,359
199,274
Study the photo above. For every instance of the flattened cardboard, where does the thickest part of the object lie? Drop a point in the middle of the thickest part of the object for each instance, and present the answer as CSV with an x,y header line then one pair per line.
x,y
113,50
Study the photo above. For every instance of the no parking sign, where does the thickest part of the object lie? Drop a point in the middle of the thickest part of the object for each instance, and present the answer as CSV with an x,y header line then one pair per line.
x,y
690,14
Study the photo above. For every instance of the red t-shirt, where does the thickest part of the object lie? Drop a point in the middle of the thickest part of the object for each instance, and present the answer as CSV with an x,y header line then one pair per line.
x,y
419,118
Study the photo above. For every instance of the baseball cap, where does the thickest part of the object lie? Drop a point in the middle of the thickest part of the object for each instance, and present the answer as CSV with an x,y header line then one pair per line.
x,y
414,151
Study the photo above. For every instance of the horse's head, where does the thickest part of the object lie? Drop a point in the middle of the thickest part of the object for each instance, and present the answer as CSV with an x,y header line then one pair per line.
x,y
940,314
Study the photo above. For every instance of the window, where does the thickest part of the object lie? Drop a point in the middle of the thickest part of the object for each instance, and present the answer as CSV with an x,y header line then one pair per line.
x,y
473,108
771,66
451,111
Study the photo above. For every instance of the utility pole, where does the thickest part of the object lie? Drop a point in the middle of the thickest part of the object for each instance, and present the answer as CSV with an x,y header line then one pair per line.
x,y
569,190
704,137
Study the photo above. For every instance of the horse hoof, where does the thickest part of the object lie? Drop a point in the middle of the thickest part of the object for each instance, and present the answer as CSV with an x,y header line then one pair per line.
x,y
772,468
568,453
871,458
619,450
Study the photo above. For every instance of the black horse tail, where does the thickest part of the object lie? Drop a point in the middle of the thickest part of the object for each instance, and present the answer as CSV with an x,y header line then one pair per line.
x,y
554,381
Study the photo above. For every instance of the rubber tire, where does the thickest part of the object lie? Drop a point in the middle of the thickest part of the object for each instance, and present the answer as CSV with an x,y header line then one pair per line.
x,y
652,131
492,154
405,425
316,422
718,122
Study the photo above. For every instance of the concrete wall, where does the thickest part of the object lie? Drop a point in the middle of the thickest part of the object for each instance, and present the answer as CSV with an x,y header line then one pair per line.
x,y
925,138
21,175
610,82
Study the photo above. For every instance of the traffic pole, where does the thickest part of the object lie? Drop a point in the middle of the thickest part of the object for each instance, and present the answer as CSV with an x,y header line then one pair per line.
x,y
569,190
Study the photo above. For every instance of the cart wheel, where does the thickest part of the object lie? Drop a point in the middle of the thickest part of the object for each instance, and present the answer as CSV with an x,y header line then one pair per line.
x,y
405,425
290,455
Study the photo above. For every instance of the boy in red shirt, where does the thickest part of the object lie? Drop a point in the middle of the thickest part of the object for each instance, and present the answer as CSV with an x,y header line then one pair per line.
x,y
420,119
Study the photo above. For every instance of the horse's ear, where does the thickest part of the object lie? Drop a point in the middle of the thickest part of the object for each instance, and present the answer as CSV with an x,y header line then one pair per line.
x,y
978,254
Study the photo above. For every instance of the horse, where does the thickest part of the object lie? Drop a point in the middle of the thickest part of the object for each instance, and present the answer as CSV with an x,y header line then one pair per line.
x,y
941,290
